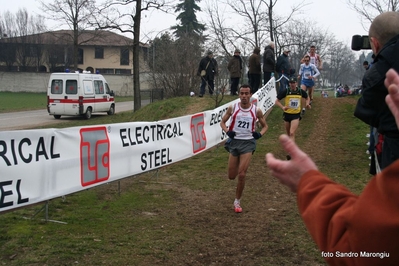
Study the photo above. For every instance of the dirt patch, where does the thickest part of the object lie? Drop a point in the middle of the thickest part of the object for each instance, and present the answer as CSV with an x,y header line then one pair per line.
x,y
269,227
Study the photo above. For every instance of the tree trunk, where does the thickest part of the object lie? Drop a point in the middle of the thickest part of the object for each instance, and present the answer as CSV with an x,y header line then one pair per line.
x,y
271,20
75,46
136,57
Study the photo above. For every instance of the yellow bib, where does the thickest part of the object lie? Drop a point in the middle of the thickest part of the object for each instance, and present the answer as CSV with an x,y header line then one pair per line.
x,y
293,102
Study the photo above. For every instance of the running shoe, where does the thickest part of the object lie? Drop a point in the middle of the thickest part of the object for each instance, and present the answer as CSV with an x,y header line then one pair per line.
x,y
237,207
303,112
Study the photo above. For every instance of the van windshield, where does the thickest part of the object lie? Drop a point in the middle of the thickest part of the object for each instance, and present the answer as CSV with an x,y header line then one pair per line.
x,y
98,87
107,89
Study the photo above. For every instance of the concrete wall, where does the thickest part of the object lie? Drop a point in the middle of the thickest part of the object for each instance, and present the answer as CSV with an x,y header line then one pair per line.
x,y
122,85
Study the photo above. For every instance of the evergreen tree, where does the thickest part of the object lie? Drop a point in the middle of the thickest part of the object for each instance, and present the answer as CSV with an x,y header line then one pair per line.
x,y
189,25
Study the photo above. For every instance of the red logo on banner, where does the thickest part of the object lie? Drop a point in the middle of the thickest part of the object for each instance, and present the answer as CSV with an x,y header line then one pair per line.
x,y
254,101
94,155
198,136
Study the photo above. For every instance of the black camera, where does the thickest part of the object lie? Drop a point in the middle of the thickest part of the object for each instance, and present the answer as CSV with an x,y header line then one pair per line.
x,y
360,43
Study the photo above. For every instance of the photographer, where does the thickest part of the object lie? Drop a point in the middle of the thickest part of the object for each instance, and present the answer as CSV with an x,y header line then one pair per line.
x,y
371,107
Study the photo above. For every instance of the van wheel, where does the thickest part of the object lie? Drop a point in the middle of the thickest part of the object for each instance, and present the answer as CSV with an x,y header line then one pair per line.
x,y
111,110
57,116
87,115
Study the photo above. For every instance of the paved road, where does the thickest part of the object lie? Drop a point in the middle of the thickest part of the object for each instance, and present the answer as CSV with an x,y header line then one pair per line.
x,y
31,119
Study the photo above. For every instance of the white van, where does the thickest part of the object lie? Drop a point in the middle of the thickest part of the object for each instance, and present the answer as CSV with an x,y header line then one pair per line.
x,y
79,94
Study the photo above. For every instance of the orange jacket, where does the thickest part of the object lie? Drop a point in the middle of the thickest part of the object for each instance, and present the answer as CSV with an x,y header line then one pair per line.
x,y
350,229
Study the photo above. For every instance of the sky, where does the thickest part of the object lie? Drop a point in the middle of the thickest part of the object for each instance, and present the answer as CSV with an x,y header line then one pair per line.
x,y
334,16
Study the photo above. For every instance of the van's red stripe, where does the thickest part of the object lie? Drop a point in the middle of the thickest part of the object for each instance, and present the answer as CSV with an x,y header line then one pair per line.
x,y
91,100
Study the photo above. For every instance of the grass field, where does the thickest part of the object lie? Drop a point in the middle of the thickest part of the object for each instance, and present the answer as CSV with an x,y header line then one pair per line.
x,y
182,214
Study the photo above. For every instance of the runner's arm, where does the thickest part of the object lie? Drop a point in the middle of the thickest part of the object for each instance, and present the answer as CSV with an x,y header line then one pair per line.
x,y
225,118
262,121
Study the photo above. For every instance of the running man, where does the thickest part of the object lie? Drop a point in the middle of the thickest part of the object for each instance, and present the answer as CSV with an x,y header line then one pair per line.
x,y
242,138
292,108
315,59
307,73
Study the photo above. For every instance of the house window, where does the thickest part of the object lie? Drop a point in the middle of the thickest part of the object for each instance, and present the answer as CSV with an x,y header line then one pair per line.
x,y
99,52
7,52
124,56
56,55
80,56
105,70
120,71
31,51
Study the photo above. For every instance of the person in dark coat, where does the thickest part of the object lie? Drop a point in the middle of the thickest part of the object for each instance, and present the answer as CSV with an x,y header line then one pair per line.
x,y
235,69
255,70
269,62
283,67
207,70
371,107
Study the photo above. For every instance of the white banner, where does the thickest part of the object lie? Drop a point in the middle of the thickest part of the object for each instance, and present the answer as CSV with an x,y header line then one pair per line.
x,y
38,165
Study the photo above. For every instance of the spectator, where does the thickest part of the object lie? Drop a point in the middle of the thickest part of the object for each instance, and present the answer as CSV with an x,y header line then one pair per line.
x,y
371,107
269,62
283,67
207,70
255,70
235,69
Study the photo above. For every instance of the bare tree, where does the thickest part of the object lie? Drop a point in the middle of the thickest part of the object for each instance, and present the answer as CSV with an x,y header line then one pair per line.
x,y
76,14
20,44
276,22
300,35
116,15
341,66
37,26
8,49
369,9
176,64
255,18
223,38
26,53
260,23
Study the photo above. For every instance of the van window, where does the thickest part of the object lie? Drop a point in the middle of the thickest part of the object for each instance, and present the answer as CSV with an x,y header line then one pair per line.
x,y
107,90
71,87
99,86
88,87
56,86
